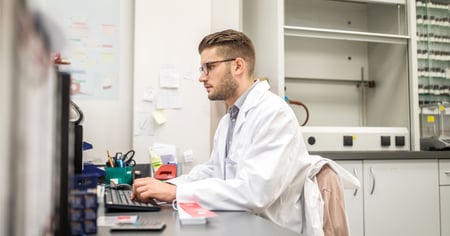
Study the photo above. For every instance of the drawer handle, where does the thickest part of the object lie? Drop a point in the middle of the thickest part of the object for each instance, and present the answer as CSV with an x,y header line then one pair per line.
x,y
355,172
372,172
447,172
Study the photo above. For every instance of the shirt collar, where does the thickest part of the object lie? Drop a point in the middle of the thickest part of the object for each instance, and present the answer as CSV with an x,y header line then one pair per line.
x,y
242,98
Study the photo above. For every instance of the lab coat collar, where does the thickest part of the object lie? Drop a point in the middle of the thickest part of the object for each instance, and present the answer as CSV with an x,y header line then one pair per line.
x,y
252,100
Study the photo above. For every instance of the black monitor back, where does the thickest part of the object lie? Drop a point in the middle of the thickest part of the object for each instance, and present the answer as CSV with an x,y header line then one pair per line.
x,y
64,157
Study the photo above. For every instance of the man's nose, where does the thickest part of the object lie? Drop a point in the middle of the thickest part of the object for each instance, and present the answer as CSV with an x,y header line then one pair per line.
x,y
202,78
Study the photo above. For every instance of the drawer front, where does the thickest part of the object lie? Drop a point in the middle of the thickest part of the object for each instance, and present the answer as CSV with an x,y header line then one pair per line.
x,y
444,172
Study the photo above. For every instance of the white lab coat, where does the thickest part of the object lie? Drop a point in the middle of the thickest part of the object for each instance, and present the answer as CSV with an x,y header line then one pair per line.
x,y
266,167
311,199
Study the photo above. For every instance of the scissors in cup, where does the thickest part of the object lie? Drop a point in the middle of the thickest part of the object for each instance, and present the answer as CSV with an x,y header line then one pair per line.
x,y
128,158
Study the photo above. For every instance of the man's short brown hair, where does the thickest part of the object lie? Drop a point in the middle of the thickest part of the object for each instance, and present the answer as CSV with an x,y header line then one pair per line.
x,y
231,44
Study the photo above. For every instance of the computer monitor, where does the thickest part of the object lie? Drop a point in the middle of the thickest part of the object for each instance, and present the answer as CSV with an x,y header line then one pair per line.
x,y
64,156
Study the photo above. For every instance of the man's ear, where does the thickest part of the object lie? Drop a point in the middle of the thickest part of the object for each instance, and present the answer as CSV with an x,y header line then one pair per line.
x,y
239,66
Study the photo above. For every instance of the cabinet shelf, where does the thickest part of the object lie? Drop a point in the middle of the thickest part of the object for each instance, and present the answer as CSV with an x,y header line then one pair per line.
x,y
298,31
401,2
358,83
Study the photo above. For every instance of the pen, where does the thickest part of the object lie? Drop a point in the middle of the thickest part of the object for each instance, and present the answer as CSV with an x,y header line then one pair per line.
x,y
120,163
111,162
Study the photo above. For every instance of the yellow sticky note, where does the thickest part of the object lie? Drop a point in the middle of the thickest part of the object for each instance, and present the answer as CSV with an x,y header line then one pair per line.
x,y
159,116
430,119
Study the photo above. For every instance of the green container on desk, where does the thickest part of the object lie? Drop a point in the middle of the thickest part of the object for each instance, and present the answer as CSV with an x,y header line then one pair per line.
x,y
119,175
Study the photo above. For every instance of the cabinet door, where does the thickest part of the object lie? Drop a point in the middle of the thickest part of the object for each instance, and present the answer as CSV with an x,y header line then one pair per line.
x,y
354,199
401,197
445,210
444,181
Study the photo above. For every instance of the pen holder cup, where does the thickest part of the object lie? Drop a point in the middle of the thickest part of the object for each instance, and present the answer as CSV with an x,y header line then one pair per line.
x,y
119,175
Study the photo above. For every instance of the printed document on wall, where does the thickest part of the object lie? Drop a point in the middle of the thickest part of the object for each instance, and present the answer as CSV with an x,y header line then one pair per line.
x,y
143,123
169,77
169,99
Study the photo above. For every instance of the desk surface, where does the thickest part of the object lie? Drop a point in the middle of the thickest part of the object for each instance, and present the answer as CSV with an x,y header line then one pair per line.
x,y
226,223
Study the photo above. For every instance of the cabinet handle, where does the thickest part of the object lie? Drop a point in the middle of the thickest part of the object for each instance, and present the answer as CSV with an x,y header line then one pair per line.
x,y
447,172
355,173
372,172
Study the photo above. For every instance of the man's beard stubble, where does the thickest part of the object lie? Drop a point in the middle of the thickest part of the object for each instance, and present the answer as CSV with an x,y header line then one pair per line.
x,y
225,89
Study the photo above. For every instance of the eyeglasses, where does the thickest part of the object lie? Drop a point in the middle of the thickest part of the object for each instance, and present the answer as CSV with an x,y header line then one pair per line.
x,y
206,67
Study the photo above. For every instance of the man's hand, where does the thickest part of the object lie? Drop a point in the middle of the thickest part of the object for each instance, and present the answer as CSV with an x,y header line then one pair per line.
x,y
148,188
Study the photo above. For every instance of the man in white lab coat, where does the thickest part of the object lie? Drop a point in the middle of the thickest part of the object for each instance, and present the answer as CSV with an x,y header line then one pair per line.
x,y
258,160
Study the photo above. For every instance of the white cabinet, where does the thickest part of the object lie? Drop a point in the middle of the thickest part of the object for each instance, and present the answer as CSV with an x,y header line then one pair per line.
x,y
445,210
351,62
444,181
354,198
397,197
401,198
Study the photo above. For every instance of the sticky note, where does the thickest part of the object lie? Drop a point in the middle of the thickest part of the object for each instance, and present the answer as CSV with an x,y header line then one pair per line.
x,y
159,116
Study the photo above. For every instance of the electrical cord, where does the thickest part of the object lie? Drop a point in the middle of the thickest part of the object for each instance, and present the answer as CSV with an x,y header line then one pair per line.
x,y
300,104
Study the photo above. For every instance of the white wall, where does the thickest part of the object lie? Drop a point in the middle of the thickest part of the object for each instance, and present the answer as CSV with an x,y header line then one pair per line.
x,y
168,33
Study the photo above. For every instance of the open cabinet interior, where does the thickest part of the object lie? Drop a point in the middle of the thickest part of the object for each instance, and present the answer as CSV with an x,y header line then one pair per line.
x,y
348,62
347,83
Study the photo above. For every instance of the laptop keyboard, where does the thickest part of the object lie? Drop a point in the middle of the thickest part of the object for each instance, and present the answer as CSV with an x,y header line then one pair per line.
x,y
119,200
